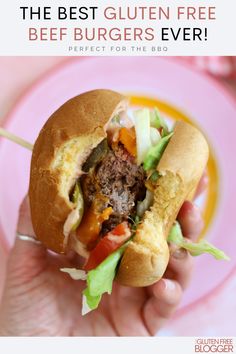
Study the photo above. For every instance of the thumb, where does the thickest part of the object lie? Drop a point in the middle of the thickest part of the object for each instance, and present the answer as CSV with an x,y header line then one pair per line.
x,y
28,257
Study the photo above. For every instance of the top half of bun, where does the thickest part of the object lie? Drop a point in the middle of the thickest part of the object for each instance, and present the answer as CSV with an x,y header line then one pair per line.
x,y
180,168
63,144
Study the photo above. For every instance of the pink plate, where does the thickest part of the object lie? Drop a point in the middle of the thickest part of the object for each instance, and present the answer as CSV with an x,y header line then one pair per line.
x,y
169,81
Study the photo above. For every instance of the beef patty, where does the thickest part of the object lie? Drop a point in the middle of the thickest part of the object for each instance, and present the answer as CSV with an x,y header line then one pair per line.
x,y
120,180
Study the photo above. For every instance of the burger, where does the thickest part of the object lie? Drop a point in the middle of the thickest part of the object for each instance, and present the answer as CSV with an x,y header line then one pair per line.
x,y
108,183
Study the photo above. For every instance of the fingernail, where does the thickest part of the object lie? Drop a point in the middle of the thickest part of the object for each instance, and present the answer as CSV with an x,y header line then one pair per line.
x,y
181,253
169,284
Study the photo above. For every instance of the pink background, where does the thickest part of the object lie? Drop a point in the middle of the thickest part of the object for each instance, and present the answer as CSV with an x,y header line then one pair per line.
x,y
211,317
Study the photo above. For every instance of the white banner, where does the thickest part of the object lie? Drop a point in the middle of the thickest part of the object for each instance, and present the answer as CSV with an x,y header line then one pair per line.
x,y
130,27
106,345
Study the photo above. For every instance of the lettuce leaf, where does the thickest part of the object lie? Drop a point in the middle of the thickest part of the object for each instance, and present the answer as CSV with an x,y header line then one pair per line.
x,y
154,135
100,280
175,235
155,152
89,302
194,248
142,130
203,246
158,122
154,176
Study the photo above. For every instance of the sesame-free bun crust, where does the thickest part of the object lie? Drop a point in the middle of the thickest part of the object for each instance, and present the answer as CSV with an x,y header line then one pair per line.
x,y
181,167
62,146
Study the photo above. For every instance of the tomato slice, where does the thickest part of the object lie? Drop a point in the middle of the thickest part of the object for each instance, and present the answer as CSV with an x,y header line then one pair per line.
x,y
108,244
120,229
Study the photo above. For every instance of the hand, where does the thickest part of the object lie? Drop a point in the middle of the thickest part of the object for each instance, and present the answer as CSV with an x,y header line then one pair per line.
x,y
39,300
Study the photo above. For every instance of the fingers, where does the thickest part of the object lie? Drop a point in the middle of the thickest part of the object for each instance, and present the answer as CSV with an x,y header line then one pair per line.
x,y
75,260
26,261
166,294
202,184
165,297
125,310
180,267
190,220
24,225
26,258
189,216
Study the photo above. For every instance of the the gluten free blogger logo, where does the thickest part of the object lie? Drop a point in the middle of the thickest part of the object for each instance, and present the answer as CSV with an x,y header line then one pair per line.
x,y
214,345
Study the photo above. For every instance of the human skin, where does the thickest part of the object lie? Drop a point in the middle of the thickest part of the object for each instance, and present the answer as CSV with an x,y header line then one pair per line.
x,y
39,300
